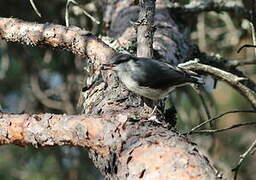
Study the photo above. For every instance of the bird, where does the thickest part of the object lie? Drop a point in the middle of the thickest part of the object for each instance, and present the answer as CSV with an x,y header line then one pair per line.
x,y
149,77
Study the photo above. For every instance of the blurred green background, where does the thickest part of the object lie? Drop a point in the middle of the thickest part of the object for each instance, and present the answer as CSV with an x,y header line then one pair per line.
x,y
30,74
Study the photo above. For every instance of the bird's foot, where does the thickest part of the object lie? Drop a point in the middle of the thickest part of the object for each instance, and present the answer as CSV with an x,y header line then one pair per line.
x,y
152,116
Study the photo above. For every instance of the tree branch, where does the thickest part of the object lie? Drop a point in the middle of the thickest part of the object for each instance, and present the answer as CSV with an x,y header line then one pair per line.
x,y
72,39
43,98
121,143
223,64
35,8
243,157
208,131
196,7
219,116
145,28
50,129
138,148
231,79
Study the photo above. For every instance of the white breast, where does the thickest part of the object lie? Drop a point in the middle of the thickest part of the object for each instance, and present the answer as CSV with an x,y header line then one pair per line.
x,y
133,86
142,90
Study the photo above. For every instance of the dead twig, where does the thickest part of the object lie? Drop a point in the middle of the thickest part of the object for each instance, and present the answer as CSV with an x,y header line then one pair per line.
x,y
219,116
224,129
230,78
43,98
84,11
243,157
35,8
245,46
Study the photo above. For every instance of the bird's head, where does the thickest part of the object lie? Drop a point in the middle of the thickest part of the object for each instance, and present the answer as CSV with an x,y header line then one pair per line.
x,y
117,59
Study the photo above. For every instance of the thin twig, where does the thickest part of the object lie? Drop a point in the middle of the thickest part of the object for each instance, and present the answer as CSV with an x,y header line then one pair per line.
x,y
219,116
207,111
67,13
245,46
43,98
35,8
84,11
201,31
253,36
89,16
224,129
5,60
206,108
252,147
242,158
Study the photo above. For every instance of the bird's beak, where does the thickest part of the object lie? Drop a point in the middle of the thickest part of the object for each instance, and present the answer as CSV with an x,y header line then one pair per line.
x,y
107,66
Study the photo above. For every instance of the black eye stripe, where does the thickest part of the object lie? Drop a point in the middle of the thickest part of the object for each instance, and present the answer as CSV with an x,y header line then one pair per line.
x,y
120,61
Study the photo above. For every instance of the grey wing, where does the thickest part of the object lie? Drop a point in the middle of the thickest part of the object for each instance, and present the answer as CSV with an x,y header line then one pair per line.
x,y
160,75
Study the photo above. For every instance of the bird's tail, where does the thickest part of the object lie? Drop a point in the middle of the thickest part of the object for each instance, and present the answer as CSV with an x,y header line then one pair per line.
x,y
203,83
194,77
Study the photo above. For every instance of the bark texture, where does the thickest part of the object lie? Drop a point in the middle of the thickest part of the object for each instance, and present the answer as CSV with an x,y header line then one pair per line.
x,y
123,144
125,148
74,39
145,29
169,41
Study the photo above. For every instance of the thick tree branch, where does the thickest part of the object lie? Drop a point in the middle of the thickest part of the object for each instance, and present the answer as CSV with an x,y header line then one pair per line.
x,y
50,129
109,95
124,148
73,39
139,149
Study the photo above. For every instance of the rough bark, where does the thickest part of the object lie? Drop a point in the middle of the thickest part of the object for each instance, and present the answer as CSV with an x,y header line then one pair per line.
x,y
74,39
169,41
123,145
145,28
126,148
